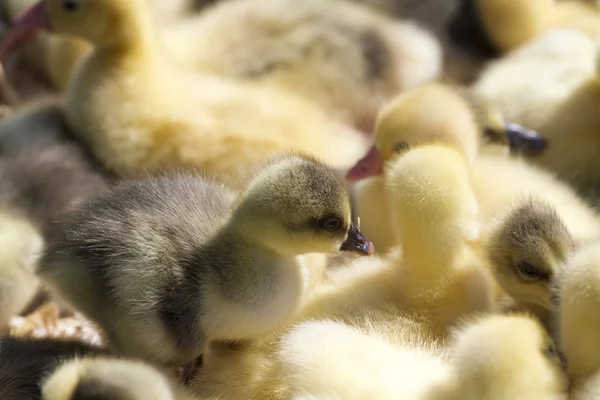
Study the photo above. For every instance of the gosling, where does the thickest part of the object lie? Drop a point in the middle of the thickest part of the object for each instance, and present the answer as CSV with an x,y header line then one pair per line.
x,y
166,264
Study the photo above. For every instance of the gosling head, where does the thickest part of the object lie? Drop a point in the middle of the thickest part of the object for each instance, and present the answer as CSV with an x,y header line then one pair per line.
x,y
298,205
107,379
507,357
527,248
437,113
102,22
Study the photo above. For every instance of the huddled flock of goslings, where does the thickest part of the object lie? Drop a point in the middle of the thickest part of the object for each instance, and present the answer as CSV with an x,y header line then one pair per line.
x,y
302,200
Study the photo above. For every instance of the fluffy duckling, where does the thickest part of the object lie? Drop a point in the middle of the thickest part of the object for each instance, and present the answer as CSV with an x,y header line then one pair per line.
x,y
213,268
499,357
416,117
497,180
346,57
527,247
111,379
467,121
25,363
139,111
512,23
558,100
341,360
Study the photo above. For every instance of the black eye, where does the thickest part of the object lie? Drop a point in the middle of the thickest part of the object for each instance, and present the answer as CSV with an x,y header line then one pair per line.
x,y
400,146
491,134
551,351
529,271
70,5
331,224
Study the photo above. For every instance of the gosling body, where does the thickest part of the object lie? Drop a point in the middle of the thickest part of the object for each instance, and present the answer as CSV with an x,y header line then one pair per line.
x,y
165,264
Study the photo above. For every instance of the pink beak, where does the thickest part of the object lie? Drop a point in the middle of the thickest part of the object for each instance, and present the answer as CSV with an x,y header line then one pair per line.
x,y
24,28
370,165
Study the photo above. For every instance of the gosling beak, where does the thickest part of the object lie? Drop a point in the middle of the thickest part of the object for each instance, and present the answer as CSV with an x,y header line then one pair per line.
x,y
357,243
24,28
525,140
370,165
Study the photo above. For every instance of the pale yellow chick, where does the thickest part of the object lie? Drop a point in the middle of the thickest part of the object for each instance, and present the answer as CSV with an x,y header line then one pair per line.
x,y
496,358
138,112
431,113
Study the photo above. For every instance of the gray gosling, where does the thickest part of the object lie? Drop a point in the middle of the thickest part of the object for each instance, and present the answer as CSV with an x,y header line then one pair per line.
x,y
166,264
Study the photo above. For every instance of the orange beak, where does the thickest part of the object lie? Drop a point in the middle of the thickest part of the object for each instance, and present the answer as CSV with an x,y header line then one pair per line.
x,y
370,165
24,28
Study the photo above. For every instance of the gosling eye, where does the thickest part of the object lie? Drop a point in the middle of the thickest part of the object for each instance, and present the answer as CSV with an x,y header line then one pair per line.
x,y
71,5
529,271
553,354
400,146
550,351
491,134
331,224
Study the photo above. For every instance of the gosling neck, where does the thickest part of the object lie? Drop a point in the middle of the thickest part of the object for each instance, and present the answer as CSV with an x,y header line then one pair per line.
x,y
428,246
137,37
253,270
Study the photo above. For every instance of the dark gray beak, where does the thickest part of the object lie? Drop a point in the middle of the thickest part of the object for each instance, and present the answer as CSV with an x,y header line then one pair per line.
x,y
523,140
357,243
